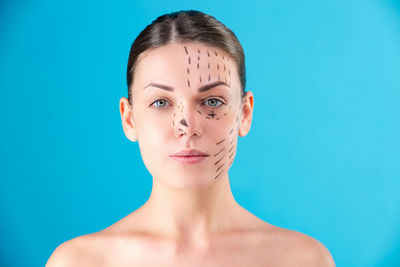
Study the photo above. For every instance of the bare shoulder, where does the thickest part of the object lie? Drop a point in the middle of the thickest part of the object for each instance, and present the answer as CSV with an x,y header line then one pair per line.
x,y
74,252
299,249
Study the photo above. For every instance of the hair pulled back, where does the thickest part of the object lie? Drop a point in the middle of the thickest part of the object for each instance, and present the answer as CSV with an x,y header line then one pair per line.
x,y
184,27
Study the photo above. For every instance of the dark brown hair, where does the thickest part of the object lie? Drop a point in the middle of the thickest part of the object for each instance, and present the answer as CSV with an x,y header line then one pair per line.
x,y
186,26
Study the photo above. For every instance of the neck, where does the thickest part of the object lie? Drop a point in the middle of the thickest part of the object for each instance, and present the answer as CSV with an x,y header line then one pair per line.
x,y
192,214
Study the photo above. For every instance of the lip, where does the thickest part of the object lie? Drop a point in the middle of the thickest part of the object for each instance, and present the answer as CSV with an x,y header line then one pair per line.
x,y
189,156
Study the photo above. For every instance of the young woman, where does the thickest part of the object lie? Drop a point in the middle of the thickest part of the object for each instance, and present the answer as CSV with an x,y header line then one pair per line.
x,y
186,107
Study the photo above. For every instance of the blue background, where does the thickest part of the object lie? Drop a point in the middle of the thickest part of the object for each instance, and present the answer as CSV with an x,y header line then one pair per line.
x,y
322,156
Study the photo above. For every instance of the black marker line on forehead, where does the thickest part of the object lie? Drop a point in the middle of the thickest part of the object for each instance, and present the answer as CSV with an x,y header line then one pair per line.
x,y
186,50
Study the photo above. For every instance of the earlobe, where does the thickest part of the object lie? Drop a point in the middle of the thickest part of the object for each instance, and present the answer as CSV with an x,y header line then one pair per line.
x,y
127,119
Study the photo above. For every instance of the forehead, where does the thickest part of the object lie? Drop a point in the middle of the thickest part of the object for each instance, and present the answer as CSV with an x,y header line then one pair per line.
x,y
176,63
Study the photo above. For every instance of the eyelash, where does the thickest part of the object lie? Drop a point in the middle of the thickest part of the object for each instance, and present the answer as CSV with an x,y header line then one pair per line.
x,y
211,98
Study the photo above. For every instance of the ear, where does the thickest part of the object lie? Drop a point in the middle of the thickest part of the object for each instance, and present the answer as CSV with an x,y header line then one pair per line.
x,y
247,114
127,119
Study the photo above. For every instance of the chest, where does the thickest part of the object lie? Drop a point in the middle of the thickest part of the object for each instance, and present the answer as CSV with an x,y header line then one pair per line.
x,y
218,255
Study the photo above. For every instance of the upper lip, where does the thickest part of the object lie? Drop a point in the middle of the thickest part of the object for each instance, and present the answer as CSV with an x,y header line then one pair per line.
x,y
187,153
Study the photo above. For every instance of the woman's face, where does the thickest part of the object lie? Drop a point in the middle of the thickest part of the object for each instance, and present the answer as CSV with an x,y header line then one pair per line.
x,y
186,96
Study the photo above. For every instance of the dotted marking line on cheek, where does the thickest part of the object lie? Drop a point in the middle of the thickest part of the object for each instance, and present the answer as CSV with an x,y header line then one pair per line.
x,y
220,167
218,161
231,149
219,174
231,131
199,111
208,53
232,140
188,71
230,163
219,152
221,141
200,78
186,50
209,76
189,60
188,82
231,155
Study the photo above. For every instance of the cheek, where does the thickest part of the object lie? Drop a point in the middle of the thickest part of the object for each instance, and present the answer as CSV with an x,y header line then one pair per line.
x,y
225,146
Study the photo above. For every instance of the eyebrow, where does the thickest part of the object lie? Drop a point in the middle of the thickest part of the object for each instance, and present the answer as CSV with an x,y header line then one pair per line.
x,y
201,89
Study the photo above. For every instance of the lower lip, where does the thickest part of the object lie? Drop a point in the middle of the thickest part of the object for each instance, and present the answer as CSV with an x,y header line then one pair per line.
x,y
189,160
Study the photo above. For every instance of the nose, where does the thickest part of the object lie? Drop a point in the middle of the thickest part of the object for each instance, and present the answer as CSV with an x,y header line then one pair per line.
x,y
187,121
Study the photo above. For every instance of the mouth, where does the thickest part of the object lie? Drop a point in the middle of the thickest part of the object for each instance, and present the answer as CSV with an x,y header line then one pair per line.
x,y
189,156
188,159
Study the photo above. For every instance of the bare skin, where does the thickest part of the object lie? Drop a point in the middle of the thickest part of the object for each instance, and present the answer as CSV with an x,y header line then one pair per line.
x,y
191,217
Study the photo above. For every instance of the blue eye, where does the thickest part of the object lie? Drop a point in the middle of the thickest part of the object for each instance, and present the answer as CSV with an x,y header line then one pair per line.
x,y
162,101
213,102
